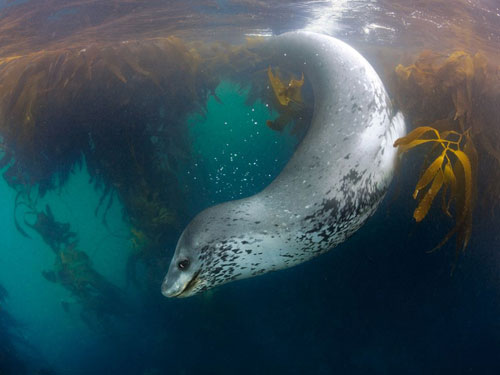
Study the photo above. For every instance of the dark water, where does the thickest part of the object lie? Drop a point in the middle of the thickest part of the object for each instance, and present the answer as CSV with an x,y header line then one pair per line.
x,y
377,304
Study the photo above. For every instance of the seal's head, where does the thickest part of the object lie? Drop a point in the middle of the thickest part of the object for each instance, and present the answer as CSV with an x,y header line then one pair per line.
x,y
190,270
183,277
216,247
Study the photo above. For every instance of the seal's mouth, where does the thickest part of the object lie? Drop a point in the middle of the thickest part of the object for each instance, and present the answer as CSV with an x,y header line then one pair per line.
x,y
189,286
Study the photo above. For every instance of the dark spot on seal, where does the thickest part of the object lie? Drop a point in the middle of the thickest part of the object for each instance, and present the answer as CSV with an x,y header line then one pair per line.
x,y
352,177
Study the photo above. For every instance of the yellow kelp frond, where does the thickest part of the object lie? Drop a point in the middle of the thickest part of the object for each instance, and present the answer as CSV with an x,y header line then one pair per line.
x,y
289,104
286,93
450,172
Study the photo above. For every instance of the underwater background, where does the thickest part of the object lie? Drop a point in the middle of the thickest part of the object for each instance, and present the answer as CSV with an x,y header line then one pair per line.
x,y
121,120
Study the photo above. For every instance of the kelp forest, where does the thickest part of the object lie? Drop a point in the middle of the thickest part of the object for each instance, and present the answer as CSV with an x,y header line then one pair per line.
x,y
117,106
119,110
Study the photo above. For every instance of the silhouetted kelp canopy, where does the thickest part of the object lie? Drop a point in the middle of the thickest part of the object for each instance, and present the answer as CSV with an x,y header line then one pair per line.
x,y
120,109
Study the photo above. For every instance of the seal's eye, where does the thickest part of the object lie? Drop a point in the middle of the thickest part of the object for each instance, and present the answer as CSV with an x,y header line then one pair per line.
x,y
183,264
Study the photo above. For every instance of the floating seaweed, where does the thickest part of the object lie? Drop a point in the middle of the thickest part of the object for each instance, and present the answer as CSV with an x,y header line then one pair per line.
x,y
451,99
289,104
122,94
457,92
450,172
55,234
119,108
286,94
99,299
74,271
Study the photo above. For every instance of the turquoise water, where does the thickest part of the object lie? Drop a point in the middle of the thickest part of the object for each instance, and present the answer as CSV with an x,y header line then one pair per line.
x,y
234,154
35,302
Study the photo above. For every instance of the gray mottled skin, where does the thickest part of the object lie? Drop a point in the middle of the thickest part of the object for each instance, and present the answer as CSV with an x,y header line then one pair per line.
x,y
332,184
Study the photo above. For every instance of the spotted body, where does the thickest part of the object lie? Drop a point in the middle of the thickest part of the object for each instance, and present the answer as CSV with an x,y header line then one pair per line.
x,y
334,181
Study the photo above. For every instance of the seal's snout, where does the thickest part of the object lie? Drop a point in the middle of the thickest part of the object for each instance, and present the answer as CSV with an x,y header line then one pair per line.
x,y
173,284
180,284
171,290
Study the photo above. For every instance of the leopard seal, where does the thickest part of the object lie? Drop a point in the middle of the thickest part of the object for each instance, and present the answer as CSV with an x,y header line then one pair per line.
x,y
334,181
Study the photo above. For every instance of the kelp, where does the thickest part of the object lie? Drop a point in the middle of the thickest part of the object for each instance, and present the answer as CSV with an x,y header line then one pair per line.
x,y
33,26
450,172
452,100
286,94
248,66
457,92
152,225
59,105
289,103
55,234
98,298
119,109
